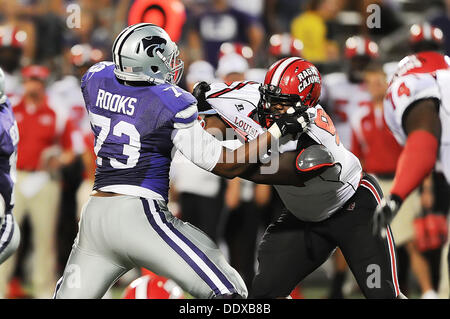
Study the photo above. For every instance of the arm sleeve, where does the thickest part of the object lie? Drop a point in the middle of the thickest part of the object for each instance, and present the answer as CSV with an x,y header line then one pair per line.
x,y
197,145
186,117
415,163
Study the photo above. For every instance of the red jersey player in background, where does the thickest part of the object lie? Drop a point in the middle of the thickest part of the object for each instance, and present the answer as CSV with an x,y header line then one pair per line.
x,y
78,177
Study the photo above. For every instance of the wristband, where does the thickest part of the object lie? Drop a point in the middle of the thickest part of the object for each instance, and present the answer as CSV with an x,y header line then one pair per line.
x,y
397,199
275,131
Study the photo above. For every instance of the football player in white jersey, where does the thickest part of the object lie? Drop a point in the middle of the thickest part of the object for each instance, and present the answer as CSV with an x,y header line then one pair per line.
x,y
342,107
417,110
329,200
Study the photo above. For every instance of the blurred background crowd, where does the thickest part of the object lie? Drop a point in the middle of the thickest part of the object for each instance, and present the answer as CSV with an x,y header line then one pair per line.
x,y
47,45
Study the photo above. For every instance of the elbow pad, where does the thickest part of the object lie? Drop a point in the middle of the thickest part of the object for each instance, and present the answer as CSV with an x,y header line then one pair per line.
x,y
317,160
314,157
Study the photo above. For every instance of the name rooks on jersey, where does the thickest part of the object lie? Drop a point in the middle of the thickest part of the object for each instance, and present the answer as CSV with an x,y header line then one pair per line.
x,y
307,77
115,102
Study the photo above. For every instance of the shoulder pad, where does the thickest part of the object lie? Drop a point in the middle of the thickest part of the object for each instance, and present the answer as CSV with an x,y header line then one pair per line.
x,y
175,98
98,67
314,157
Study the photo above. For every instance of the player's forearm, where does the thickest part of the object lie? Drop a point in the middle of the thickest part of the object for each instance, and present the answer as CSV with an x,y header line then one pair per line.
x,y
281,170
244,159
277,178
208,153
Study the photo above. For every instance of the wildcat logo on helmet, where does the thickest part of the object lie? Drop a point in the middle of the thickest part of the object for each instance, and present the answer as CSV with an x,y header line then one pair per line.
x,y
307,77
151,45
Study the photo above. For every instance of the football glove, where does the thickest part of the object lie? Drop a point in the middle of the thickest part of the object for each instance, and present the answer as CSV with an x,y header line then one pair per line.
x,y
385,213
291,122
199,92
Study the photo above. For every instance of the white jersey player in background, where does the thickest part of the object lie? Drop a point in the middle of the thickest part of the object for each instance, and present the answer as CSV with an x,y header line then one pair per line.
x,y
346,98
344,92
417,110
12,46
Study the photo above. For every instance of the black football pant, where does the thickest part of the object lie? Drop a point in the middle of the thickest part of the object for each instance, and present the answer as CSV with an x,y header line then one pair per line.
x,y
292,249
241,234
203,212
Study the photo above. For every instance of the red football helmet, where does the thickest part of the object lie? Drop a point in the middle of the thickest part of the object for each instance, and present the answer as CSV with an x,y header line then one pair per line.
x,y
12,37
423,62
235,47
359,46
153,287
85,55
284,45
424,32
290,81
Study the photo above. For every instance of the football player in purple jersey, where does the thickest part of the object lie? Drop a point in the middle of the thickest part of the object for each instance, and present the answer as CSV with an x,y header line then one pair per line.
x,y
9,137
138,115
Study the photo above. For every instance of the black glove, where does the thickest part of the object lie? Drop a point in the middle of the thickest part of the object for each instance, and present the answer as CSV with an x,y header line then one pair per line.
x,y
291,122
385,213
199,92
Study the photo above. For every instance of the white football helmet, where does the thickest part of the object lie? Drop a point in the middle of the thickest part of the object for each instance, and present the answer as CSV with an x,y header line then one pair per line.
x,y
145,52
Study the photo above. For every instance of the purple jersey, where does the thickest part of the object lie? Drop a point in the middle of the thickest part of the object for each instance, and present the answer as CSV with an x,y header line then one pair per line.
x,y
9,137
132,127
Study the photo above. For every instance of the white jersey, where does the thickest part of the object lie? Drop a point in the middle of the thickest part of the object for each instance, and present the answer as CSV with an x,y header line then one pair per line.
x,y
405,90
343,98
65,97
320,197
13,88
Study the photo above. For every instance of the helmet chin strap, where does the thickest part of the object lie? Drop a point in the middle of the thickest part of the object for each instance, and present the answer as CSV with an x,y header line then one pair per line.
x,y
308,97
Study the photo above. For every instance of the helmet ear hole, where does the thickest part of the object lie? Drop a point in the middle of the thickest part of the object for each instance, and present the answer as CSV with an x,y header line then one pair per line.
x,y
154,68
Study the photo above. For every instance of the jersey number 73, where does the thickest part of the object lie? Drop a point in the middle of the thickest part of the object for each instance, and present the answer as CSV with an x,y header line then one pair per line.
x,y
131,150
